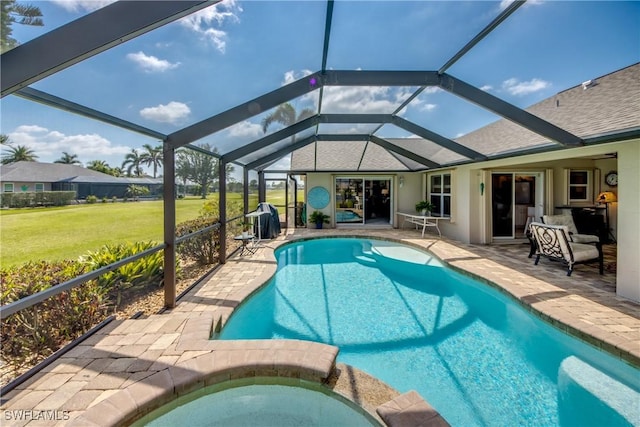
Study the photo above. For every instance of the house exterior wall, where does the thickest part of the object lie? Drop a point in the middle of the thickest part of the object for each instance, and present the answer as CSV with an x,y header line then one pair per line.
x,y
471,209
25,187
628,214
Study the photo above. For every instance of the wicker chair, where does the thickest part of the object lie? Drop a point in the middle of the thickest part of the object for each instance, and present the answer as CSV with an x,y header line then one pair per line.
x,y
553,242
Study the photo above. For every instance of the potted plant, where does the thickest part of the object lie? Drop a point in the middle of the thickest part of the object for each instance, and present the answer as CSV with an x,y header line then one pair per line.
x,y
245,229
319,218
424,206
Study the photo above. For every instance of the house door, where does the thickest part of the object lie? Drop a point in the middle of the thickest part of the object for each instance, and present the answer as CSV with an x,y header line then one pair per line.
x,y
363,201
516,200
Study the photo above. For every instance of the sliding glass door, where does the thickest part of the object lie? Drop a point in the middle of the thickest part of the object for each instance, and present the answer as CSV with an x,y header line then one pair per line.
x,y
349,201
516,200
363,200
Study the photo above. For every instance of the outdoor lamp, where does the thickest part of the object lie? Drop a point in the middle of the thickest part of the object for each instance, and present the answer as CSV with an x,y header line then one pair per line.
x,y
605,198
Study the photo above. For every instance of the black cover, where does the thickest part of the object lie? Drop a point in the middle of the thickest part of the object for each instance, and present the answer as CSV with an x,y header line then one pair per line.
x,y
269,224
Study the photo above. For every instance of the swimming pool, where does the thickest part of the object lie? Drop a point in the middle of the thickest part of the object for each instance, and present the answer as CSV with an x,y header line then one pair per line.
x,y
239,404
400,315
348,216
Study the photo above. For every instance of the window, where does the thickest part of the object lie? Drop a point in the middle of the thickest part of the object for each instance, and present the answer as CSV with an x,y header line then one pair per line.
x,y
8,187
39,187
579,185
440,194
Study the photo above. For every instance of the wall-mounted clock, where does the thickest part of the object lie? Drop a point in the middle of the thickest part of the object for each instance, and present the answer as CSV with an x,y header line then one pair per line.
x,y
611,179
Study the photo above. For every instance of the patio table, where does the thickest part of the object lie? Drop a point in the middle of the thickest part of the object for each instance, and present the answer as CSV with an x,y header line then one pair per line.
x,y
422,221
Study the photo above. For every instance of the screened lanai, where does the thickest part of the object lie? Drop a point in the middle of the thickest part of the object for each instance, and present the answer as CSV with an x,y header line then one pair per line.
x,y
366,93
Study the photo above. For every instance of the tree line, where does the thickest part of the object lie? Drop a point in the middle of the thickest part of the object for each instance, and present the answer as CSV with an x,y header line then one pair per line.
x,y
192,167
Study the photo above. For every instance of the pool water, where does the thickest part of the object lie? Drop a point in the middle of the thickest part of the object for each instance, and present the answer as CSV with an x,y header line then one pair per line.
x,y
348,216
400,315
257,405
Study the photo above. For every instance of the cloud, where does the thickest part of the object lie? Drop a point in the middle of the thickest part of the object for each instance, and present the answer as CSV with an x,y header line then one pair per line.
x,y
486,88
174,112
291,76
362,99
203,21
505,3
518,88
245,129
428,107
49,145
82,5
151,64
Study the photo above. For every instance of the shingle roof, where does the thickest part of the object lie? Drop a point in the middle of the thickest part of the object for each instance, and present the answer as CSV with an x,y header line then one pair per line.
x,y
44,172
58,172
610,104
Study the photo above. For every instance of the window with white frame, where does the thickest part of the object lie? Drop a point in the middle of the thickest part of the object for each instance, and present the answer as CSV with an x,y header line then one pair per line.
x,y
579,185
439,193
7,187
39,187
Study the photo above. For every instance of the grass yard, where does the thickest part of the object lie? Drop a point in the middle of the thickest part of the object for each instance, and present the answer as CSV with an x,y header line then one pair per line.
x,y
70,231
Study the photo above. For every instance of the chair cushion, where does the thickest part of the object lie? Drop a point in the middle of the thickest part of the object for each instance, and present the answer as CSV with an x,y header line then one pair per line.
x,y
566,220
584,252
585,238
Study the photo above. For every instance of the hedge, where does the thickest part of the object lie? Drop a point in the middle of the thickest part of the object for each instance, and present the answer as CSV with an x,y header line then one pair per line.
x,y
32,199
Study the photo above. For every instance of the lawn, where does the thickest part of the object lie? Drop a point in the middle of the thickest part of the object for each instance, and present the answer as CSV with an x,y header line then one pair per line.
x,y
70,231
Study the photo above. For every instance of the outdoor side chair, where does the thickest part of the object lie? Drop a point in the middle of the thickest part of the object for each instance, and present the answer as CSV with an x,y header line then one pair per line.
x,y
553,242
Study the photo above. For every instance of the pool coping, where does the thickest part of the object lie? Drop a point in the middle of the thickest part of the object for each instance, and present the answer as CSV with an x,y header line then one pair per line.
x,y
130,351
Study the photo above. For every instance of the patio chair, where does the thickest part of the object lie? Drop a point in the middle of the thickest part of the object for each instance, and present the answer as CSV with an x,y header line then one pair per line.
x,y
553,242
567,220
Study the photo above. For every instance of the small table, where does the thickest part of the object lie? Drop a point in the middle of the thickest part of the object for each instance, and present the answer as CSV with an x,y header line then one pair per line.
x,y
422,221
245,243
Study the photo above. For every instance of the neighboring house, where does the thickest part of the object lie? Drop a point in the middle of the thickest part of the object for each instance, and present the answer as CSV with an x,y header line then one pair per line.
x,y
527,176
35,177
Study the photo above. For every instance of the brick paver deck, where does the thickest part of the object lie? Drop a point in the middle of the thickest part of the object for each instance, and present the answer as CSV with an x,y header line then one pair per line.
x,y
133,366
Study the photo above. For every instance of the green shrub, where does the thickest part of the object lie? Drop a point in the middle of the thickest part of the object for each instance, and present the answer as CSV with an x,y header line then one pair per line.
x,y
104,199
114,199
203,248
32,199
211,208
142,272
36,332
91,199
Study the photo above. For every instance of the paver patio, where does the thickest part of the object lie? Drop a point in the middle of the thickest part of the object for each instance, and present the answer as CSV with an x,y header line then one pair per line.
x,y
135,365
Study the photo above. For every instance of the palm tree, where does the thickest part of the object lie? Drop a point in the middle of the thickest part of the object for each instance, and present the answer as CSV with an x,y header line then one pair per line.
x,y
15,13
152,157
132,163
68,159
286,115
4,139
19,153
99,166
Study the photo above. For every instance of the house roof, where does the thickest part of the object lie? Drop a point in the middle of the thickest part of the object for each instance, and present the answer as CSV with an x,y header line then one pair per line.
x,y
610,103
59,172
337,139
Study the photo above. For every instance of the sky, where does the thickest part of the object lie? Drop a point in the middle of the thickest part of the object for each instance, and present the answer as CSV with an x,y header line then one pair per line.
x,y
230,53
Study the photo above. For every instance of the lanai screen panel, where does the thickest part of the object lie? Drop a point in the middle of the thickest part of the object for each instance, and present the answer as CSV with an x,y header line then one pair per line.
x,y
338,155
257,155
376,158
364,99
429,150
304,159
252,129
403,35
346,128
161,76
540,62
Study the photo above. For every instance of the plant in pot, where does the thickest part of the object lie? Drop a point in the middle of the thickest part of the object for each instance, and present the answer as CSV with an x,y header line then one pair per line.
x,y
424,207
319,218
246,226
